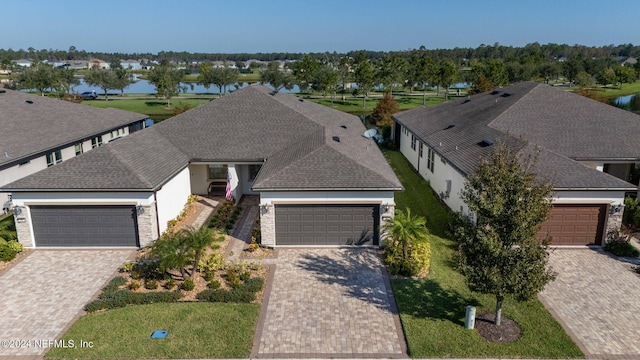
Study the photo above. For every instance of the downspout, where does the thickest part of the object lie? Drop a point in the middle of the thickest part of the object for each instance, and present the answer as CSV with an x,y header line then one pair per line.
x,y
155,202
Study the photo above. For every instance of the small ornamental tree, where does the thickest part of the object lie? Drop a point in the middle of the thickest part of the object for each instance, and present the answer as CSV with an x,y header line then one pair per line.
x,y
384,109
500,254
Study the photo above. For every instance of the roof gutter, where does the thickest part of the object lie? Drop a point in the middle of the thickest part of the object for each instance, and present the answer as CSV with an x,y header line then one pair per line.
x,y
595,189
329,189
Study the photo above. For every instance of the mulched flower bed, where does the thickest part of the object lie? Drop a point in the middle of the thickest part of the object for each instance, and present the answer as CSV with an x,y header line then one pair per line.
x,y
507,332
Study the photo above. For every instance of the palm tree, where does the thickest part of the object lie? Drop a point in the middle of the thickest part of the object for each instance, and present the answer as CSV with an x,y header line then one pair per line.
x,y
172,251
199,240
403,231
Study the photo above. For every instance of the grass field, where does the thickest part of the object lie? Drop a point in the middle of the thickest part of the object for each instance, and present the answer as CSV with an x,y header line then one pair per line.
x,y
432,310
196,330
156,108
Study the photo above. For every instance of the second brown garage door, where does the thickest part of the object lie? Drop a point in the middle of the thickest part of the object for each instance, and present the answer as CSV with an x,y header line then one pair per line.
x,y
311,225
575,224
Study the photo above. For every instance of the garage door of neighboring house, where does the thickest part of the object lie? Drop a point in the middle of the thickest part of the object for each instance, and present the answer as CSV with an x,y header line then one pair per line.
x,y
327,224
84,225
575,224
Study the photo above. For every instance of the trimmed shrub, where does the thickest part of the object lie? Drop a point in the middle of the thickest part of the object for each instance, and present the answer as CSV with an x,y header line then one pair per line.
x,y
253,284
631,215
123,298
214,284
170,284
151,284
134,285
9,249
188,285
620,245
214,295
113,286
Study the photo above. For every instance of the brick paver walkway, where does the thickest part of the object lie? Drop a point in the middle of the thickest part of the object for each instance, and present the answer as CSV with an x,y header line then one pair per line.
x,y
597,298
330,303
43,293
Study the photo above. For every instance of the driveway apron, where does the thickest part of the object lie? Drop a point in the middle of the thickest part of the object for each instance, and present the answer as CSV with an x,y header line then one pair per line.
x,y
330,303
44,292
597,299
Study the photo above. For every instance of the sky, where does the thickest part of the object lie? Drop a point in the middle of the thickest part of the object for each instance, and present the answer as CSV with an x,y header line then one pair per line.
x,y
231,26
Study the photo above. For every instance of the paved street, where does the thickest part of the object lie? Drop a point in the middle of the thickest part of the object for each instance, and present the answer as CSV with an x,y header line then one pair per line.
x,y
43,293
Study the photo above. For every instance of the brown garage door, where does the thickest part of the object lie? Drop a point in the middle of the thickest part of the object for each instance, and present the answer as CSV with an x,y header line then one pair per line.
x,y
327,224
575,225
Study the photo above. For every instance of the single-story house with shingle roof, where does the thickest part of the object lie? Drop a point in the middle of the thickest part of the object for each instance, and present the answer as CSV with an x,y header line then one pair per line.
x,y
586,148
39,132
319,180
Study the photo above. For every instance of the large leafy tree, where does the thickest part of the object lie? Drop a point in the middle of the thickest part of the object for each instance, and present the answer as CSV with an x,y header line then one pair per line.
x,y
39,76
391,72
224,76
278,79
624,74
446,75
166,79
500,254
363,76
123,77
66,80
102,78
327,79
305,71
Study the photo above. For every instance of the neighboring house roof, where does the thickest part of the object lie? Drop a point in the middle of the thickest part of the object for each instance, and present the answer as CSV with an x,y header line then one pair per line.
x,y
294,137
34,124
564,126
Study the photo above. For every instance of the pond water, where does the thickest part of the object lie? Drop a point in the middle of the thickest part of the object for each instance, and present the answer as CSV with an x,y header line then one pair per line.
x,y
629,102
145,87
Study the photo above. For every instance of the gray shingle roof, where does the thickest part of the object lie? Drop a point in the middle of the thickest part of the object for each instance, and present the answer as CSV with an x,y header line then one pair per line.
x,y
44,124
565,126
252,124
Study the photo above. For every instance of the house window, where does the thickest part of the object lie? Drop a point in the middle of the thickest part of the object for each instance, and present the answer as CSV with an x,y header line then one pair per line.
x,y
54,158
430,159
24,162
217,172
253,171
420,152
78,148
413,142
96,141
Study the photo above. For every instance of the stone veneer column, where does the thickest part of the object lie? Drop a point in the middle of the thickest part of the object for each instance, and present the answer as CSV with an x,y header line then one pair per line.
x,y
23,228
384,217
148,225
268,226
614,222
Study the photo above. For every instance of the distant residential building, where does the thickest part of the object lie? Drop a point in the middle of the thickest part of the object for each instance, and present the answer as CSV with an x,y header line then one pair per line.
x,y
131,64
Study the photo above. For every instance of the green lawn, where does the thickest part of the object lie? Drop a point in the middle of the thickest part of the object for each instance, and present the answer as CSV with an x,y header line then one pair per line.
x,y
432,310
156,108
196,330
354,106
613,91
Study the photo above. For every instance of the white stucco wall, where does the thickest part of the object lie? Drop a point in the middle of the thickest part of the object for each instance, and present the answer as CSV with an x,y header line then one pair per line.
x,y
172,197
441,172
267,217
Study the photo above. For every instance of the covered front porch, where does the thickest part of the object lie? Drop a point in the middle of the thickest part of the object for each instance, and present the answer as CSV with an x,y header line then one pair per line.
x,y
210,179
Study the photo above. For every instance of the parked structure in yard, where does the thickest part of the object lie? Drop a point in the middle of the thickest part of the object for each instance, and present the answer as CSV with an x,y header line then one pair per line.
x,y
38,132
319,180
586,148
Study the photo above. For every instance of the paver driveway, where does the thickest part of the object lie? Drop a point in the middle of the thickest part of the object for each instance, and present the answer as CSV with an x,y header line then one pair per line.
x,y
597,298
43,293
330,303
